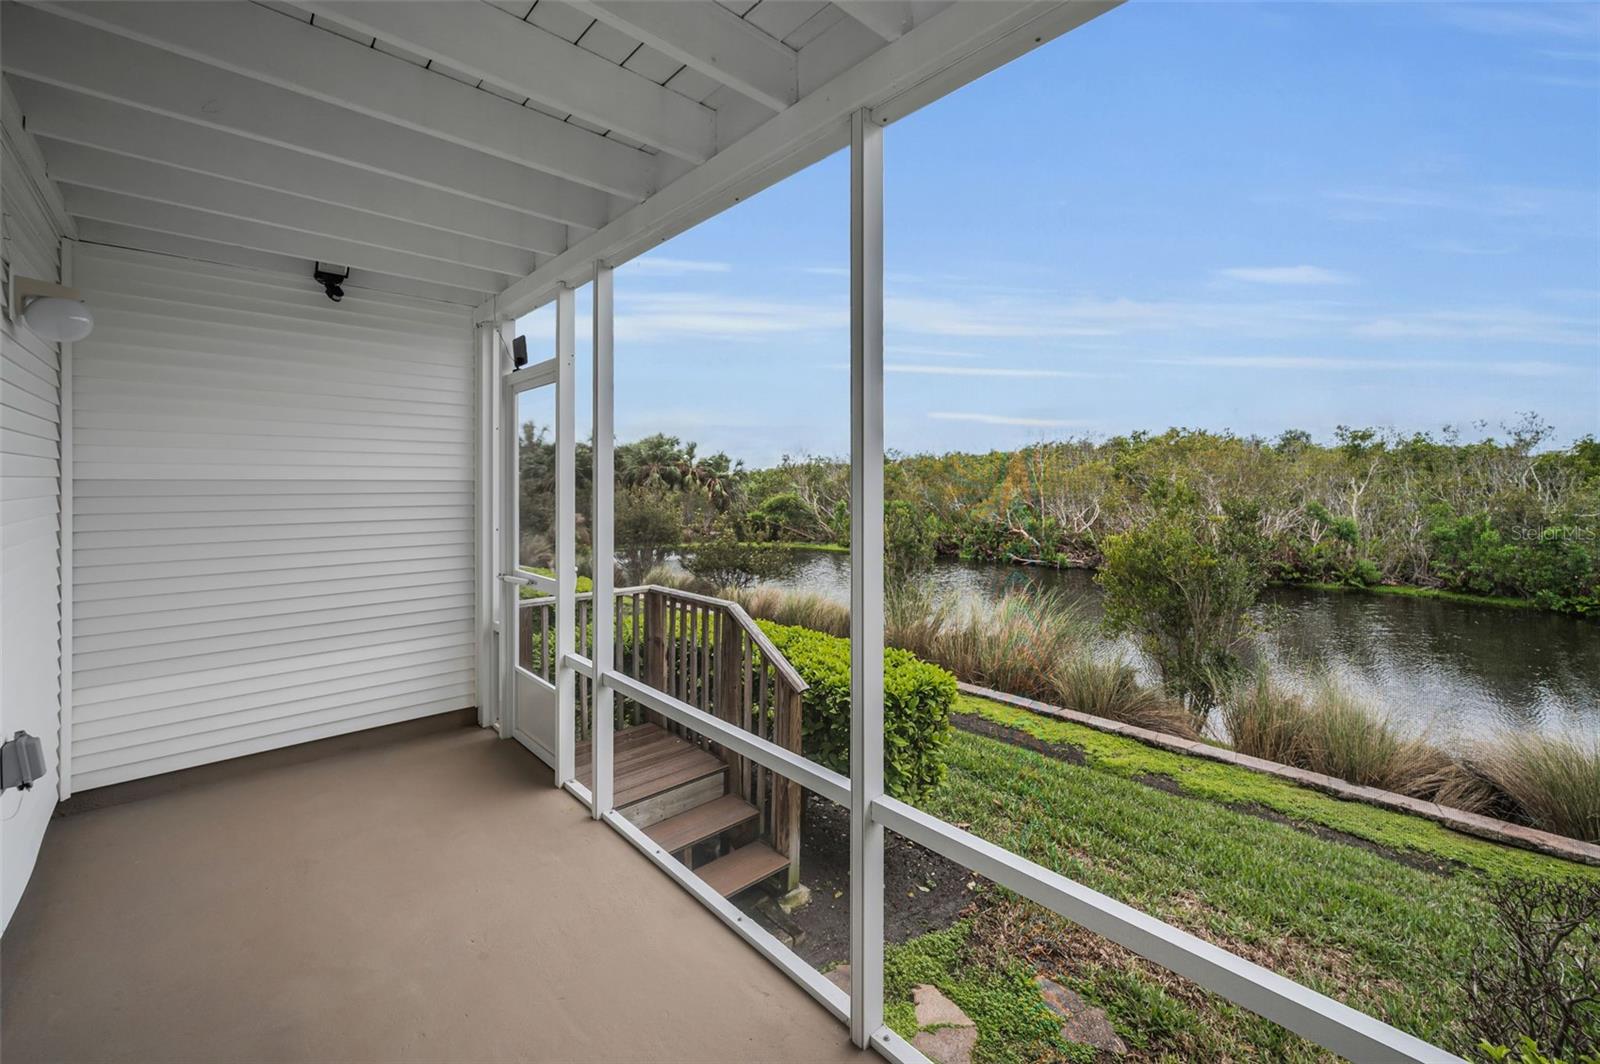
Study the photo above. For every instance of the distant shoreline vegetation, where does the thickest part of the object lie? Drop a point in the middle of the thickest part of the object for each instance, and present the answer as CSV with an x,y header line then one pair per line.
x,y
1505,520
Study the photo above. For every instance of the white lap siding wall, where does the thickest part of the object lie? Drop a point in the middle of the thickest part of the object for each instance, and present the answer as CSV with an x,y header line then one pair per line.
x,y
30,521
273,522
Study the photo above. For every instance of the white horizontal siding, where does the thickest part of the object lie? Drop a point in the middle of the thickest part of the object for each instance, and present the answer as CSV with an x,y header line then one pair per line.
x,y
273,514
30,522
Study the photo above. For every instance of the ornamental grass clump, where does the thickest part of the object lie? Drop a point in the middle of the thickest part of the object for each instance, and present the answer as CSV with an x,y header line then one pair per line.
x,y
1349,738
1110,688
1016,645
1265,720
1554,781
808,609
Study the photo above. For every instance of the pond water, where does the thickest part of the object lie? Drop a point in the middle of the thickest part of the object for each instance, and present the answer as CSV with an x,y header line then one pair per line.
x,y
1461,672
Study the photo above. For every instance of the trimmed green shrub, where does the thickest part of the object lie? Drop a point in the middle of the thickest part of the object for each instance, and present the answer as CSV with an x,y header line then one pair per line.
x,y
917,698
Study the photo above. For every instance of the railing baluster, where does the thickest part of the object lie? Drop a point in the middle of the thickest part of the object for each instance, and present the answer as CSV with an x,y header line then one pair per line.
x,y
583,683
544,644
619,707
709,654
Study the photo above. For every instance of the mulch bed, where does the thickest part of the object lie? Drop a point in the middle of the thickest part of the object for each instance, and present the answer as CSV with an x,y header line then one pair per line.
x,y
922,891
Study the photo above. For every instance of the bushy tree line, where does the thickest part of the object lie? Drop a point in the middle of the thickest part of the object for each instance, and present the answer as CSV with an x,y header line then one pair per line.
x,y
1499,514
1508,515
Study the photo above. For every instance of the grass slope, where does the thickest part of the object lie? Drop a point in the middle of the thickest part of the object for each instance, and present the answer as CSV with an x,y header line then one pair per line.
x,y
1381,934
1232,785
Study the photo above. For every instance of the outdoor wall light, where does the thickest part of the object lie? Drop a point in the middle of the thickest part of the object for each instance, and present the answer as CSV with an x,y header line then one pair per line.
x,y
54,312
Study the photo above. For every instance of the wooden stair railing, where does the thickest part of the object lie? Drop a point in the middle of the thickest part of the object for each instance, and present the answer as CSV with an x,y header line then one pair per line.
x,y
707,652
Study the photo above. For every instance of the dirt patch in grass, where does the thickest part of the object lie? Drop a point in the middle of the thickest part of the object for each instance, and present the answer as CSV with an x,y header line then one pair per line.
x,y
923,891
1072,755
1162,1015
1418,861
971,722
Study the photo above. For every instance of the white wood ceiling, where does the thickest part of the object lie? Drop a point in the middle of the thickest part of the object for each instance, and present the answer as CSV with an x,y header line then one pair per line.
x,y
443,149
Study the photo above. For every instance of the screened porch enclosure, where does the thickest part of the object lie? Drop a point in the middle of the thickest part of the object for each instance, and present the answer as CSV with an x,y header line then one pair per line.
x,y
268,599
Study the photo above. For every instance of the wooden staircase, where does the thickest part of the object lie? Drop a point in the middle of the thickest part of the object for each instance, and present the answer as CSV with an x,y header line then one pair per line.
x,y
679,794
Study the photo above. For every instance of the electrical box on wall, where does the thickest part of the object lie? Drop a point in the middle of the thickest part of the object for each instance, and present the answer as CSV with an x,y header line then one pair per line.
x,y
21,761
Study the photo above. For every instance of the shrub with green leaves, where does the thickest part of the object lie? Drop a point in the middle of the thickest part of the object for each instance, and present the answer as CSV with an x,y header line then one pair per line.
x,y
1182,585
917,698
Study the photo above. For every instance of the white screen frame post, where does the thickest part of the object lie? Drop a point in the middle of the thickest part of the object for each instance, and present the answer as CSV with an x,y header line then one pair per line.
x,y
566,533
866,576
602,533
504,403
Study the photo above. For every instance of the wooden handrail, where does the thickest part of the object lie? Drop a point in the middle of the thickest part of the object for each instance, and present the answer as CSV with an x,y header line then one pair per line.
x,y
706,652
745,621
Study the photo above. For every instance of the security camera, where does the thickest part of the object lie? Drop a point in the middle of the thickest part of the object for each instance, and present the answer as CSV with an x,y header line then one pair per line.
x,y
332,279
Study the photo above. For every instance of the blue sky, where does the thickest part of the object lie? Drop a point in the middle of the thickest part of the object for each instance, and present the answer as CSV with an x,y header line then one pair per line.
x,y
1226,216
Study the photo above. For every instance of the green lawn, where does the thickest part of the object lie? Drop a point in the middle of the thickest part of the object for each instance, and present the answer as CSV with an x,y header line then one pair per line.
x,y
1389,936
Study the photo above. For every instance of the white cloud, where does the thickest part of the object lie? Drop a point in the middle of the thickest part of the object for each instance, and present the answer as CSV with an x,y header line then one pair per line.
x,y
1466,247
981,371
657,266
669,316
929,352
1498,201
1060,317
1503,324
1501,368
1005,419
1292,275
1560,20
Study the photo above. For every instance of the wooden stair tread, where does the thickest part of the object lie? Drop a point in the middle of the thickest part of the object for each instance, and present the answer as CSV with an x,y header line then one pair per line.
x,y
702,822
743,868
647,761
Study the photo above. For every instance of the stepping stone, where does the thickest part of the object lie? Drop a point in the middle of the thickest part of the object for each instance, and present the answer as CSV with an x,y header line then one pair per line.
x,y
1083,1023
839,977
936,1010
947,1045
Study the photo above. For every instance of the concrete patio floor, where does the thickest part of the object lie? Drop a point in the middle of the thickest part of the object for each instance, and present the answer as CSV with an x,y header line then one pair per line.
x,y
420,895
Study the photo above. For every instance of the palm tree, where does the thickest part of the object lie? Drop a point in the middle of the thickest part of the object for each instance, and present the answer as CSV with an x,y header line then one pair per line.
x,y
656,461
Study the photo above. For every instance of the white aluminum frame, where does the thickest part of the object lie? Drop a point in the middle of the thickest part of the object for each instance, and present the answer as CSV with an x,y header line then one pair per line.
x,y
64,555
602,536
1297,1008
511,577
566,564
1314,1016
866,575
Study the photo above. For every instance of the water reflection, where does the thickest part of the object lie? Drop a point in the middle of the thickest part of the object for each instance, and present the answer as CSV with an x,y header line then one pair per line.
x,y
1461,671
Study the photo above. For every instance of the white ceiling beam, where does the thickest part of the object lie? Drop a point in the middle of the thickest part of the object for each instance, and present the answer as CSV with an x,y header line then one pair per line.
x,y
30,160
888,19
955,46
44,48
488,43
68,117
127,236
258,43
707,37
74,164
220,229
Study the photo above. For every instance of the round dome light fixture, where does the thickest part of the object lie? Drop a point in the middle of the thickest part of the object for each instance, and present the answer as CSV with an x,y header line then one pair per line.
x,y
62,321
53,312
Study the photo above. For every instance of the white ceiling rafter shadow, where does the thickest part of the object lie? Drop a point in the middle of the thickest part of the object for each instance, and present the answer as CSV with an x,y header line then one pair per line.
x,y
149,240
707,37
888,19
214,63
78,166
119,209
59,118
520,57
